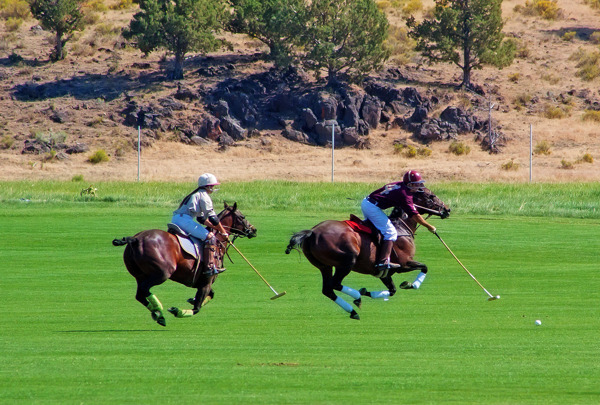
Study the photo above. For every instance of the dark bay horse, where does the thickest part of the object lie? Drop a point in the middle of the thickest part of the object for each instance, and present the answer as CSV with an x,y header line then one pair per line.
x,y
155,256
335,244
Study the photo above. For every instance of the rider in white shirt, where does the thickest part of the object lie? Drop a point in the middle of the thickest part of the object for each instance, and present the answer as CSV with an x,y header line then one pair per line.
x,y
198,206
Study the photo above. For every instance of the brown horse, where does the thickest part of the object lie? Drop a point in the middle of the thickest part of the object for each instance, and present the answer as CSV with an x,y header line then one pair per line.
x,y
336,244
155,256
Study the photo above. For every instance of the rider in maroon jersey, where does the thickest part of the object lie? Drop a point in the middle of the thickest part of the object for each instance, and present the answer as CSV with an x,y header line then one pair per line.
x,y
396,194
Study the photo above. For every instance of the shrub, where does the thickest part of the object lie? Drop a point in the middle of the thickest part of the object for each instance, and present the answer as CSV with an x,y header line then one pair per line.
x,y
410,151
122,5
510,165
569,36
591,115
77,178
542,148
13,24
50,156
6,142
565,164
588,64
550,78
595,37
383,5
96,5
50,137
412,7
514,77
98,157
399,147
593,3
522,100
401,46
459,148
547,9
586,158
424,152
556,112
14,9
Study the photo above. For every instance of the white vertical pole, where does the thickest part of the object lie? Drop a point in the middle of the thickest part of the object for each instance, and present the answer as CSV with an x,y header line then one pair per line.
x,y
332,147
139,150
530,151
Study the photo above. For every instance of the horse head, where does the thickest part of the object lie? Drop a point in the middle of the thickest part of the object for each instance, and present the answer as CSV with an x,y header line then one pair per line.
x,y
426,203
235,222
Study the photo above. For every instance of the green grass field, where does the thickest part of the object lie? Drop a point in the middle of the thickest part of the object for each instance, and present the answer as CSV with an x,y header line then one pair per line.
x,y
72,331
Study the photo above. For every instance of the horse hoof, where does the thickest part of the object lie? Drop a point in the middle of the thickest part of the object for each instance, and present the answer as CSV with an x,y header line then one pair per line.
x,y
406,285
173,310
354,315
363,291
161,321
357,303
190,301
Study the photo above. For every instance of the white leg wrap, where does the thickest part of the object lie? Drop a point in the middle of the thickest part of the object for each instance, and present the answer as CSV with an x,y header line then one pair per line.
x,y
351,292
417,283
345,306
385,294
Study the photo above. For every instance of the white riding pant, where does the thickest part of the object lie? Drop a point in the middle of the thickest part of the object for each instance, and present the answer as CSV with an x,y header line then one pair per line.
x,y
189,225
379,219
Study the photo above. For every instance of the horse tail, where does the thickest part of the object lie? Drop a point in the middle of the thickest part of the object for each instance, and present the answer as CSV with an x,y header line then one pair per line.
x,y
128,240
297,240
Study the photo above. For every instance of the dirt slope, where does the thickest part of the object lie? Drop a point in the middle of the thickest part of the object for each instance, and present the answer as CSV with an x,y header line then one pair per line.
x,y
103,72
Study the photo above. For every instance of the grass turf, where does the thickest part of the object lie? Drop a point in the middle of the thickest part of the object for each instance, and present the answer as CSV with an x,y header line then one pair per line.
x,y
73,333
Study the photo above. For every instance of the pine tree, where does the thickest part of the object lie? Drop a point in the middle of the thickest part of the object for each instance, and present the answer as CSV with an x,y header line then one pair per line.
x,y
276,23
180,26
62,17
345,36
467,33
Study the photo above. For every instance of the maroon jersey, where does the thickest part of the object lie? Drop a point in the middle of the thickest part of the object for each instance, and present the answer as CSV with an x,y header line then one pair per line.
x,y
394,195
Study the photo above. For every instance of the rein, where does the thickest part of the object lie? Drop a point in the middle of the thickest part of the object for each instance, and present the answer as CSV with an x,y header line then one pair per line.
x,y
429,210
237,233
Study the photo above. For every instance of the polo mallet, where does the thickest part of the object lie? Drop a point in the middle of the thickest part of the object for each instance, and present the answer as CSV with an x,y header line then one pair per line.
x,y
491,297
277,295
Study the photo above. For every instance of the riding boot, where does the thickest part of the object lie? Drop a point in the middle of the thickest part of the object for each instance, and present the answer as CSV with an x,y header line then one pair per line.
x,y
210,258
383,258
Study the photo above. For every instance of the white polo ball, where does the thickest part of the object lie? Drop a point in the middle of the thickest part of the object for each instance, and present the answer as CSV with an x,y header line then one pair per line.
x,y
538,322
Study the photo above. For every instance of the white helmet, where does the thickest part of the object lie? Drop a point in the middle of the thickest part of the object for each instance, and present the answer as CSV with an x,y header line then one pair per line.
x,y
207,179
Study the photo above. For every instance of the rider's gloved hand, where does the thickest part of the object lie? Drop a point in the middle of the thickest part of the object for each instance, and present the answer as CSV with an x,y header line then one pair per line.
x,y
432,229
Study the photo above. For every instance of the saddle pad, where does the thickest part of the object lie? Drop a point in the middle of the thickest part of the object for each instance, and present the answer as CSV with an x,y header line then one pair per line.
x,y
358,227
188,246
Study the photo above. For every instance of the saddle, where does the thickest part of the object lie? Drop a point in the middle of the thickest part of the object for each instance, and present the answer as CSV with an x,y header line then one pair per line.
x,y
204,252
361,226
189,244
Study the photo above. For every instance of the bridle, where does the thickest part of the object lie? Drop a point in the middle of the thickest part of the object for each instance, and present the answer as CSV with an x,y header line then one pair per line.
x,y
237,233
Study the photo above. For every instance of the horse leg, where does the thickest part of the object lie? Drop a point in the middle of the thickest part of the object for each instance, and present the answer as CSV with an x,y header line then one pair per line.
x,y
354,294
328,290
149,300
209,297
203,295
413,265
384,294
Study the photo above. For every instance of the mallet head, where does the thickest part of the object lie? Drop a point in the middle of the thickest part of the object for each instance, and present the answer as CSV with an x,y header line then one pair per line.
x,y
278,295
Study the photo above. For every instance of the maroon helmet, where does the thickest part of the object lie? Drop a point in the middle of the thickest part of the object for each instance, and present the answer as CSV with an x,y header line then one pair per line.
x,y
413,176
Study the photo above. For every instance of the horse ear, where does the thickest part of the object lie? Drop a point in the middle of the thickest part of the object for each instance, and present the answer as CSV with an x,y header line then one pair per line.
x,y
235,206
225,205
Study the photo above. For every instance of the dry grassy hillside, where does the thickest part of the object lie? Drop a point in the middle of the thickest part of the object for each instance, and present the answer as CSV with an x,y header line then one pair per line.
x,y
541,89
